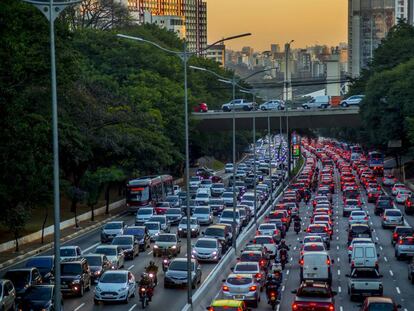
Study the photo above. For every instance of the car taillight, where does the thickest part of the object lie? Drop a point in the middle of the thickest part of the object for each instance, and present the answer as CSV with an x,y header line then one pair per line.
x,y
331,307
258,232
350,218
328,262
308,230
301,262
225,288
366,218
284,219
400,242
395,235
350,248
326,229
262,262
295,306
252,288
258,275
352,264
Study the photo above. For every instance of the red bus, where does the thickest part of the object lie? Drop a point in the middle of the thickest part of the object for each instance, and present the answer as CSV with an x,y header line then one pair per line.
x,y
147,191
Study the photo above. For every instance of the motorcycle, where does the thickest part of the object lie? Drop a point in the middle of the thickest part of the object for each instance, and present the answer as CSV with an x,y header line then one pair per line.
x,y
283,258
296,227
143,296
272,296
165,263
153,276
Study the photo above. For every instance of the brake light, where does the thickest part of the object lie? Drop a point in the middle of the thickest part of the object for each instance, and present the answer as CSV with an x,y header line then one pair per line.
x,y
395,235
225,288
331,307
262,262
284,219
350,218
252,288
258,276
308,230
301,262
350,248
352,264
328,262
326,229
295,306
276,232
400,242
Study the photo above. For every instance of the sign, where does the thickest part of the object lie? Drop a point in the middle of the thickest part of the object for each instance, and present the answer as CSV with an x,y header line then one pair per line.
x,y
296,151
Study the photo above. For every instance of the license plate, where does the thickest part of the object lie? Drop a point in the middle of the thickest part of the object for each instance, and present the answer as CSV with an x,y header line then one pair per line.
x,y
311,275
238,297
272,298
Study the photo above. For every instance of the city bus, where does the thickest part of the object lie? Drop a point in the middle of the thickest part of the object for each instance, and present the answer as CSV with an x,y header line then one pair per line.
x,y
376,162
356,149
147,191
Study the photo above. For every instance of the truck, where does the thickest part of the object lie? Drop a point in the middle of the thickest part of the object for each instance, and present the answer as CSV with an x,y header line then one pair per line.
x,y
238,104
364,282
318,102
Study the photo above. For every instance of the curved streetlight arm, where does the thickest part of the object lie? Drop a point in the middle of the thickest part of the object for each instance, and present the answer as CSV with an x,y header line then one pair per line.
x,y
225,39
220,77
150,42
257,72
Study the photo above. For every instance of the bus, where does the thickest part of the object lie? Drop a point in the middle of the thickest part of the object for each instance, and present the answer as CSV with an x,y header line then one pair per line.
x,y
376,162
356,149
147,191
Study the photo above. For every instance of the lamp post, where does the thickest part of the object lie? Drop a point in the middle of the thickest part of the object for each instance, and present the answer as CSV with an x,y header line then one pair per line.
x,y
51,10
234,82
184,56
287,97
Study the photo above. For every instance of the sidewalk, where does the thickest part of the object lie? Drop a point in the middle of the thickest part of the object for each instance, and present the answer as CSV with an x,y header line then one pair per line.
x,y
33,248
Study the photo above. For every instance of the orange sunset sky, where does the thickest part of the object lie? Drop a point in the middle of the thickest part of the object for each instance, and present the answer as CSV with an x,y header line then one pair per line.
x,y
278,21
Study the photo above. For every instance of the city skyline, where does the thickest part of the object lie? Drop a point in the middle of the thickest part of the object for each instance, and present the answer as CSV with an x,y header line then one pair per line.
x,y
315,26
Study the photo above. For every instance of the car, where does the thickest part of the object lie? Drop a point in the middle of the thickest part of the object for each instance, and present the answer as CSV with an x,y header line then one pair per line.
x,y
129,244
203,197
75,277
194,226
154,229
314,295
251,268
115,286
176,274
167,244
404,247
409,205
7,295
70,252
217,205
228,198
203,215
379,303
112,229
312,247
23,278
228,168
321,230
358,217
382,205
162,219
228,215
45,265
364,255
141,234
222,233
143,215
268,242
402,195
228,305
353,100
237,104
38,297
114,253
364,282
396,187
174,216
322,101
357,241
174,200
98,264
389,180
202,107
392,218
316,266
217,189
274,104
401,231
349,206
162,207
241,287
359,231
207,249
411,270
269,229
373,194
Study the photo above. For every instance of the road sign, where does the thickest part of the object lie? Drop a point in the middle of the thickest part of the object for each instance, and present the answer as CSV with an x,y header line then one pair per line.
x,y
296,151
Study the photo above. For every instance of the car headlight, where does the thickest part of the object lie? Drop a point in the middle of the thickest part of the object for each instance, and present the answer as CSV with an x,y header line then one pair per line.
x,y
174,246
214,253
122,289
98,289
180,229
194,251
193,229
155,246
98,272
75,281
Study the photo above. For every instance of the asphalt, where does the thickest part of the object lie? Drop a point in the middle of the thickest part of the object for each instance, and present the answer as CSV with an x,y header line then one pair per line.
x,y
395,281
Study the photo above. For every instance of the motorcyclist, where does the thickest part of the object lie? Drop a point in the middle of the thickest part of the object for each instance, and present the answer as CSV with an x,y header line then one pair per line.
x,y
297,223
148,284
274,282
153,269
283,245
307,196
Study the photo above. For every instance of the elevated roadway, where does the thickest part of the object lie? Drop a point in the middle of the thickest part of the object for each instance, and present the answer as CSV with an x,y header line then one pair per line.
x,y
298,119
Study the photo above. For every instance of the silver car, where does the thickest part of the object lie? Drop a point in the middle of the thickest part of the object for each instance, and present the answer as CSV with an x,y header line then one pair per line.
x,y
143,215
269,229
203,215
115,286
7,295
114,253
207,249
162,219
129,244
194,226
111,230
392,218
251,267
352,101
274,104
154,229
358,217
241,287
404,247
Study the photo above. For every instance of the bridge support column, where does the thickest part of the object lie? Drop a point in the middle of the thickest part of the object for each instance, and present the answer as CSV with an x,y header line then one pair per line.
x,y
289,157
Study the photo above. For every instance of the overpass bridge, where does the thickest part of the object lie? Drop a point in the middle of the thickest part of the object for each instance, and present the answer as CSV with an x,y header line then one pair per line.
x,y
297,118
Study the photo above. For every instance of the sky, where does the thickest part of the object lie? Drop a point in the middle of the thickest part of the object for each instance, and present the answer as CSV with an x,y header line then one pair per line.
x,y
308,22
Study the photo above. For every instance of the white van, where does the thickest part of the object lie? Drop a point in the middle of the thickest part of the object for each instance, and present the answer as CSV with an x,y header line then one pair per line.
x,y
323,101
316,266
364,255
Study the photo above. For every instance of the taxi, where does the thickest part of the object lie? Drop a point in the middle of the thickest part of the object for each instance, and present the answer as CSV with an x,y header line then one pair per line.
x,y
227,305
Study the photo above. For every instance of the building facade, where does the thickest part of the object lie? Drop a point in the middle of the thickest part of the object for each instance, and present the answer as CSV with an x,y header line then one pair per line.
x,y
369,21
404,10
217,53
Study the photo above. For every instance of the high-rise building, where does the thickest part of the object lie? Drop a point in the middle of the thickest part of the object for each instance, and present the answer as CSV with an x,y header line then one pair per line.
x,y
217,53
275,48
369,21
404,9
192,12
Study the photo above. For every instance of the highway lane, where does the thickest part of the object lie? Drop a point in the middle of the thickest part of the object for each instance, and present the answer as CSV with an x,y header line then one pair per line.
x,y
396,284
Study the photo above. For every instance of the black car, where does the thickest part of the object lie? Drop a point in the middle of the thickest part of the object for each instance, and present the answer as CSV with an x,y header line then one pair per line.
x,y
23,278
359,231
98,264
174,215
411,270
75,277
409,205
176,275
38,298
382,205
220,232
141,234
45,265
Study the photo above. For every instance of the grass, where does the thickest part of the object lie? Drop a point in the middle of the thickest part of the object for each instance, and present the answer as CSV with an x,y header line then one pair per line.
x,y
217,165
37,216
297,167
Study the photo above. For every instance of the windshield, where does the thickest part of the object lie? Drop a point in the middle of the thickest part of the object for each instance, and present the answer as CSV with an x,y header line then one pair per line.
x,y
380,306
267,227
264,240
368,274
214,232
167,238
122,241
321,292
316,229
227,195
18,278
145,211
245,267
360,229
71,269
202,195
113,225
38,293
152,226
137,194
94,260
218,186
43,264
250,257
173,211
135,231
206,244
393,213
66,252
229,214
193,221
113,278
202,210
106,251
180,265
239,281
172,199
216,202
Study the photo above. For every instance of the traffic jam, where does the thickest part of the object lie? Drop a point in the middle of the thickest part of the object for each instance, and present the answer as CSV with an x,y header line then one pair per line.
x,y
139,259
337,238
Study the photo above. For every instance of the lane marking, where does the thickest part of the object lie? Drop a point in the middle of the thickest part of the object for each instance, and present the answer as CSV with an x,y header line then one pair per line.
x,y
133,307
337,247
77,308
287,272
291,258
337,237
90,247
398,290
150,253
392,274
339,259
294,248
380,247
341,309
376,238
283,288
339,272
385,258
130,267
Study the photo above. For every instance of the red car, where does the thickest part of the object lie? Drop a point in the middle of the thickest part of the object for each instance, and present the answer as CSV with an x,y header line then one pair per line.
x,y
201,108
313,295
379,303
162,207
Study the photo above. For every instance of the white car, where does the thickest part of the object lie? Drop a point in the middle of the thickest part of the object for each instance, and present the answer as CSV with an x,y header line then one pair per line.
x,y
268,242
114,253
228,168
396,187
402,195
358,217
70,252
357,241
115,286
274,104
352,101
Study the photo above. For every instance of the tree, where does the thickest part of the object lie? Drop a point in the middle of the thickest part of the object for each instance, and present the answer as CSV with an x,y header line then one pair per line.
x,y
92,184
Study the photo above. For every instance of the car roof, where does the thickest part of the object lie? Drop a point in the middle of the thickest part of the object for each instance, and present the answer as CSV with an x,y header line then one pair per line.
x,y
379,299
240,275
226,303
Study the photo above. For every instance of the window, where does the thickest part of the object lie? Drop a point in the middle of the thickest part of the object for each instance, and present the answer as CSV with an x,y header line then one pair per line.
x,y
359,252
369,252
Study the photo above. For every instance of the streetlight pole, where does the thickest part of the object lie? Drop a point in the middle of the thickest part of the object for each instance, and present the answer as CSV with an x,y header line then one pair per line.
x,y
51,11
184,57
287,97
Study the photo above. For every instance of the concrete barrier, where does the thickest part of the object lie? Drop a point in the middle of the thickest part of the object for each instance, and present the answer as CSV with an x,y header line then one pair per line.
x,y
63,225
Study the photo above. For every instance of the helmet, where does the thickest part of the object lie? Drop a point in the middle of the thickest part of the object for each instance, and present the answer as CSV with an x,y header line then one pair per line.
x,y
283,242
151,263
276,267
